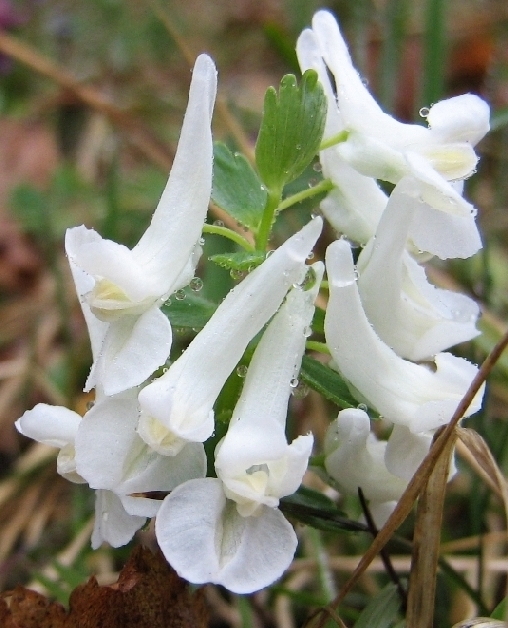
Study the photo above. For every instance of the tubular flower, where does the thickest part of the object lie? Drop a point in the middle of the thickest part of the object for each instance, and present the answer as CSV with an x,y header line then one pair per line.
x,y
421,397
178,407
410,315
378,146
232,522
123,288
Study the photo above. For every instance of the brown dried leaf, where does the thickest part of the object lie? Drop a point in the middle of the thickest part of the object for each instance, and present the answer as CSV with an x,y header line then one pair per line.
x,y
148,594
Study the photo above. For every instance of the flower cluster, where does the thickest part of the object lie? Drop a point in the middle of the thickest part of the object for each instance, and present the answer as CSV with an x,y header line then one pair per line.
x,y
387,328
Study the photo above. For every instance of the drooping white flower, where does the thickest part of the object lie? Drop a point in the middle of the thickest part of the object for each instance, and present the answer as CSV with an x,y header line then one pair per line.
x,y
123,288
378,146
58,427
356,203
232,523
421,397
355,459
410,315
178,407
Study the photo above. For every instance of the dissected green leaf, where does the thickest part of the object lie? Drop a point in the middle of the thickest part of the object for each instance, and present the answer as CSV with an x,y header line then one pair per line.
x,y
236,187
190,311
382,610
291,129
327,382
240,260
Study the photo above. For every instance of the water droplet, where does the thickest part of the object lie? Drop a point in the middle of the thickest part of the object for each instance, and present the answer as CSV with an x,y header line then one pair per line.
x,y
317,167
298,147
89,405
315,213
241,370
362,406
301,391
313,182
310,255
309,280
218,223
365,82
236,274
201,242
307,331
167,301
294,382
270,252
165,369
180,295
196,283
424,112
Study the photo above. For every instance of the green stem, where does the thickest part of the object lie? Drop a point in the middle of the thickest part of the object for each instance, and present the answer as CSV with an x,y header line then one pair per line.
x,y
334,140
314,345
231,235
324,186
265,227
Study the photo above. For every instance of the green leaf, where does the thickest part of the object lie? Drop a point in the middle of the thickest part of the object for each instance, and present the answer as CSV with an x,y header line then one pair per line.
x,y
240,260
291,130
31,208
236,187
189,311
317,511
500,611
382,610
327,382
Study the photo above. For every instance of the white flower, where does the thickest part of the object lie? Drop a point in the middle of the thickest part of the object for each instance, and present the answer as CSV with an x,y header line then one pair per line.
x,y
232,523
178,407
356,459
410,315
58,427
378,146
122,288
421,397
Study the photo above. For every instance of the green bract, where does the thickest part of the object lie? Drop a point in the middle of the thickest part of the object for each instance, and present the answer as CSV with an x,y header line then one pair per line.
x,y
236,187
239,260
291,130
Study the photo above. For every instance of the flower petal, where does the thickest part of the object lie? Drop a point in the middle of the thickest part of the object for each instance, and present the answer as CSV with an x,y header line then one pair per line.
x,y
133,348
182,399
405,393
244,554
113,524
52,425
410,315
464,118
123,462
355,459
405,451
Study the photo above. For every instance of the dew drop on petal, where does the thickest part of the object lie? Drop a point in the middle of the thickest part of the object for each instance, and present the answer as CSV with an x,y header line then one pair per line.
x,y
317,167
362,406
300,391
201,241
294,382
424,112
180,295
218,223
241,370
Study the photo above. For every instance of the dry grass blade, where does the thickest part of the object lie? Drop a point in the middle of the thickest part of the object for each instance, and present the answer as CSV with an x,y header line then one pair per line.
x,y
137,134
426,540
418,481
482,456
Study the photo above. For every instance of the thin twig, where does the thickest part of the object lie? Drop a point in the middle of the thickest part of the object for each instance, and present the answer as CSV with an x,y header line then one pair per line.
x,y
385,557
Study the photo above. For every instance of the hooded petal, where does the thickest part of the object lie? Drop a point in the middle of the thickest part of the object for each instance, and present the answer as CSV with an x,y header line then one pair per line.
x,y
123,462
405,451
132,349
113,524
405,393
244,554
355,458
182,399
410,315
52,425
